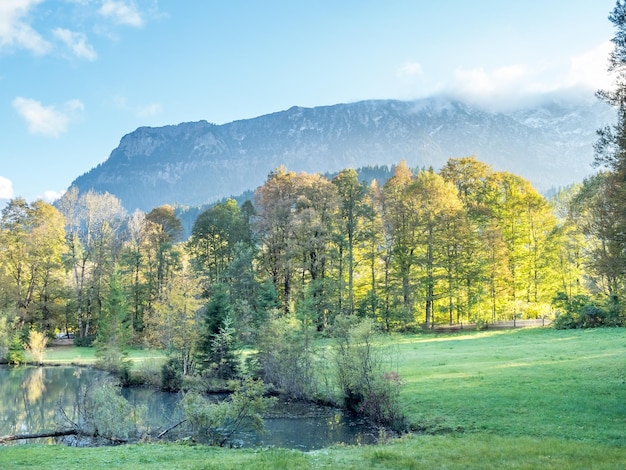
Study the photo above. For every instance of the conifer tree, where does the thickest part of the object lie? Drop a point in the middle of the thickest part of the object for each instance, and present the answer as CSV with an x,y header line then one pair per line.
x,y
611,145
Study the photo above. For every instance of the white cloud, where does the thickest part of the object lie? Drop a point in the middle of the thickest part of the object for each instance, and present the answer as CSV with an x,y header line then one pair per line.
x,y
478,81
516,84
47,120
589,69
51,196
409,70
6,188
76,42
15,31
122,12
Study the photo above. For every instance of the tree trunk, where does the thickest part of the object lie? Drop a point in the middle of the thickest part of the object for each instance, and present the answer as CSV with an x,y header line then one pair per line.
x,y
18,437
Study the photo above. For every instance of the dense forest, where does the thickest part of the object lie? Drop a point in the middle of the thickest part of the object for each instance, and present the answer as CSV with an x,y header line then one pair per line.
x,y
465,244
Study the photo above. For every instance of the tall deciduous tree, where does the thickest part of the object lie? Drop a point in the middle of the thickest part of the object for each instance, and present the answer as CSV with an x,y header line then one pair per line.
x,y
31,244
437,212
400,236
596,214
93,225
214,237
313,225
163,229
173,322
132,262
275,202
352,209
471,178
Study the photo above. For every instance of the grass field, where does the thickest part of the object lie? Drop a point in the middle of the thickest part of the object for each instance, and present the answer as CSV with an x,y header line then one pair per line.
x,y
67,355
524,399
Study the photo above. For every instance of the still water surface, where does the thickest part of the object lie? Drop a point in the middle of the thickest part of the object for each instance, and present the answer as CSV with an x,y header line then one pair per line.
x,y
30,399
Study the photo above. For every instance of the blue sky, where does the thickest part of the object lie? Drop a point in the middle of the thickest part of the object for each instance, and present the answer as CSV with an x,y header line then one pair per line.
x,y
77,75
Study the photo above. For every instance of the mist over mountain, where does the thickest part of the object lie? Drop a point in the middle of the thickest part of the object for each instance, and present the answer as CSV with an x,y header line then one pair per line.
x,y
196,163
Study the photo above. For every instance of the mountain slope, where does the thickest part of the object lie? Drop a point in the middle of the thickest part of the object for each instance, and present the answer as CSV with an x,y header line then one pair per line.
x,y
197,163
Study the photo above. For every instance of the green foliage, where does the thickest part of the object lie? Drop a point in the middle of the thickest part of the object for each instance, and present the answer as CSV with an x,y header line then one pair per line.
x,y
115,362
216,234
114,333
216,343
219,423
5,334
146,372
366,388
426,247
285,358
583,312
225,364
172,375
16,355
104,412
85,341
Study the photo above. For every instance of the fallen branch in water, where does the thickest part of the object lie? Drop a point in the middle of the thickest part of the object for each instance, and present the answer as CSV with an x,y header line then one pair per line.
x,y
18,437
170,428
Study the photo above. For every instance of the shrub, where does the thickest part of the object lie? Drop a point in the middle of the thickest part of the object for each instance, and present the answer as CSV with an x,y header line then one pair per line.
x,y
114,362
16,354
85,341
381,401
172,375
365,387
285,358
104,412
582,312
591,316
148,372
565,321
36,346
218,423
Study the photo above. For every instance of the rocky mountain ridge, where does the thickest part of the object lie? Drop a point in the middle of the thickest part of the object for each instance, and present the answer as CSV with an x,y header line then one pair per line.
x,y
197,163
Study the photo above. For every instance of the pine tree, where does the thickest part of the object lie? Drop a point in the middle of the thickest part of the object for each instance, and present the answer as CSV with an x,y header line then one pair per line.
x,y
216,341
611,145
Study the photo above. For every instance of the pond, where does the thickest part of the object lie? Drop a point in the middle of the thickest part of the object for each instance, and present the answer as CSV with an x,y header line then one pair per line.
x,y
31,397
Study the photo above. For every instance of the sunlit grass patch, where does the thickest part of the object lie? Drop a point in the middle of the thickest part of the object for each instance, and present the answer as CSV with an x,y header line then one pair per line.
x,y
537,382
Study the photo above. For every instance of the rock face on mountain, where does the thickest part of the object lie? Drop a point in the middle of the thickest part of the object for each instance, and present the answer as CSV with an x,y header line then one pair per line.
x,y
197,163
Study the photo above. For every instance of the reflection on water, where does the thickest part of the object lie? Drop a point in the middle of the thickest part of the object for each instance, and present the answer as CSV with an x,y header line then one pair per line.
x,y
30,398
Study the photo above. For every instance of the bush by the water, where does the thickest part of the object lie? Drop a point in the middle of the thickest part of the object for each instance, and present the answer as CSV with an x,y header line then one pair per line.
x,y
172,375
16,354
218,423
368,385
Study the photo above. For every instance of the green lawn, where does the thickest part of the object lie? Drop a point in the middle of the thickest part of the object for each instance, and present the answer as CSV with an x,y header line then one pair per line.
x,y
534,382
523,399
62,355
